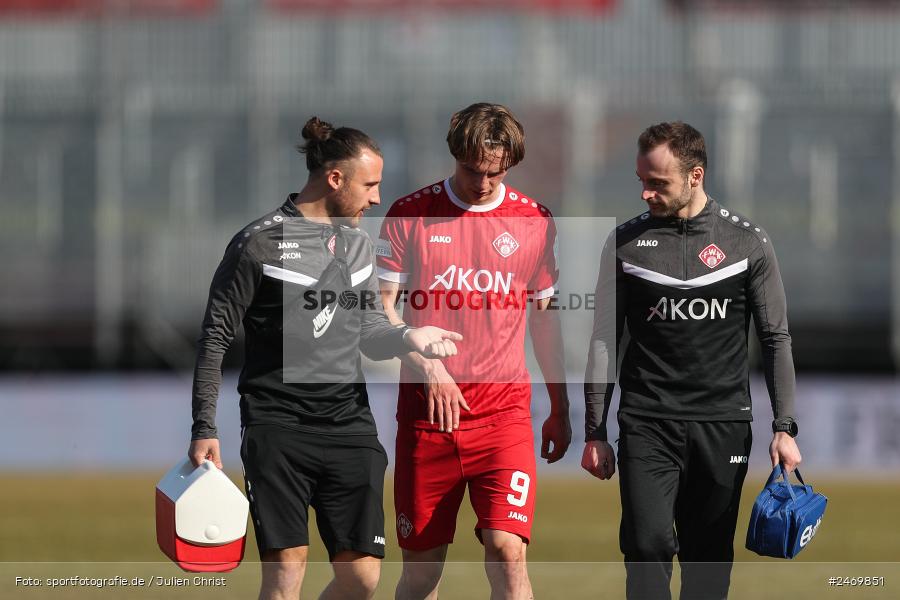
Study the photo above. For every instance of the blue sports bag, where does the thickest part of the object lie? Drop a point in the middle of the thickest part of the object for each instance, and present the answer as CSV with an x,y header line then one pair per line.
x,y
785,517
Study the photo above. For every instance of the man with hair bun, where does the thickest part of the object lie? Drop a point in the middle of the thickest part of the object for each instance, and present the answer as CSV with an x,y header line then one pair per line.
x,y
308,435
466,422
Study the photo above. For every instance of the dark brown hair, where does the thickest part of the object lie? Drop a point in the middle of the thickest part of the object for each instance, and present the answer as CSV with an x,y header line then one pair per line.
x,y
482,128
685,142
326,146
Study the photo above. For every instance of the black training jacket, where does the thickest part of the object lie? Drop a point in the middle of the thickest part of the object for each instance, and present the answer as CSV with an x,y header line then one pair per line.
x,y
302,366
686,289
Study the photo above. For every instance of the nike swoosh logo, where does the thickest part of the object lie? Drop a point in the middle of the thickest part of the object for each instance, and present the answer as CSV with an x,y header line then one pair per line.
x,y
322,321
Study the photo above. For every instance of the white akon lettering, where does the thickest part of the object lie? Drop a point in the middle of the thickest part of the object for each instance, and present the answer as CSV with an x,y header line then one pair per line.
x,y
457,278
672,309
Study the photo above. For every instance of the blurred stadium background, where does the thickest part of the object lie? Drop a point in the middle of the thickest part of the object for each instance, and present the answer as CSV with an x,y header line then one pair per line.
x,y
137,135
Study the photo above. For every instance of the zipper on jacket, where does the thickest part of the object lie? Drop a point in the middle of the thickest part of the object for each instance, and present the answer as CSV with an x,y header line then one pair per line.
x,y
683,228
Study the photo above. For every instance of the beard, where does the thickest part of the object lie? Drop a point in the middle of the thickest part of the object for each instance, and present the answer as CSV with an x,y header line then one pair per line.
x,y
678,203
343,210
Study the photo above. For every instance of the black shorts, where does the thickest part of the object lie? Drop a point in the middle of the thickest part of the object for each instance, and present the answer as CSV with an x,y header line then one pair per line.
x,y
340,476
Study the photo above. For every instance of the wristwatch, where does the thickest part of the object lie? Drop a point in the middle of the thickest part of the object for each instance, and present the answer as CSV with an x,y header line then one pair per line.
x,y
788,426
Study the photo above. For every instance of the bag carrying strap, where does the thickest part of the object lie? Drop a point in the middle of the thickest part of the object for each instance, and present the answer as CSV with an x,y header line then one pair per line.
x,y
779,470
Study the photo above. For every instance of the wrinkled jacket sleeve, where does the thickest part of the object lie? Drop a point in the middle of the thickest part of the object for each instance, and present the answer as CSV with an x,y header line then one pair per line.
x,y
767,301
232,291
609,321
378,338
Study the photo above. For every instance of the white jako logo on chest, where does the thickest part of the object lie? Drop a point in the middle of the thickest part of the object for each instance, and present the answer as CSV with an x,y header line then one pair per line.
x,y
650,243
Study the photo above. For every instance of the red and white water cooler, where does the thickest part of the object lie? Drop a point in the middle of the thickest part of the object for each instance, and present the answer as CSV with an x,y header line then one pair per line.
x,y
201,518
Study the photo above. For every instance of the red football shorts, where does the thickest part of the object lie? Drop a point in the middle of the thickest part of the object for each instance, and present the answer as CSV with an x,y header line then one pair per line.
x,y
432,471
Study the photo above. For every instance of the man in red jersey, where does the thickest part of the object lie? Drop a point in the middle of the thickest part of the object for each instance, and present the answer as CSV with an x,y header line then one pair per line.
x,y
472,254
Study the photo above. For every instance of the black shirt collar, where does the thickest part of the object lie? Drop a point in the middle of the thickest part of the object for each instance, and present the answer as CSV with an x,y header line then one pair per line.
x,y
699,220
289,208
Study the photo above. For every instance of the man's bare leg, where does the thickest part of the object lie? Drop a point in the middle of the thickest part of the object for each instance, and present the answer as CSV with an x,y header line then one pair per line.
x,y
282,573
504,563
355,577
421,574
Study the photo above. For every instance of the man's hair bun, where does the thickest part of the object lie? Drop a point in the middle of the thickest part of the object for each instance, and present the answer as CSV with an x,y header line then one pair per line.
x,y
317,130
326,146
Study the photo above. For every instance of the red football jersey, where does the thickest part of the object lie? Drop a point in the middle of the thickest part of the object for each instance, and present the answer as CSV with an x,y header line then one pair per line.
x,y
471,269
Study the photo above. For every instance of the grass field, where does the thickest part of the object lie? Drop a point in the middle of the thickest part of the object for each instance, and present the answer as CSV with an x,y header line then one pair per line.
x,y
103,525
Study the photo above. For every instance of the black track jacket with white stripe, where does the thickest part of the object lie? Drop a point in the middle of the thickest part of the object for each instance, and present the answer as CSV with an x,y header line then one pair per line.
x,y
686,289
302,367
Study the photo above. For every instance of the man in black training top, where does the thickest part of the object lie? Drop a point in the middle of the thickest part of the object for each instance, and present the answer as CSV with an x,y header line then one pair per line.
x,y
302,282
686,275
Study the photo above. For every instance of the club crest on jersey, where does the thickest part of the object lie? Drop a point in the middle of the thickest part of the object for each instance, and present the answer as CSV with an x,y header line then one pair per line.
x,y
404,527
505,244
712,256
